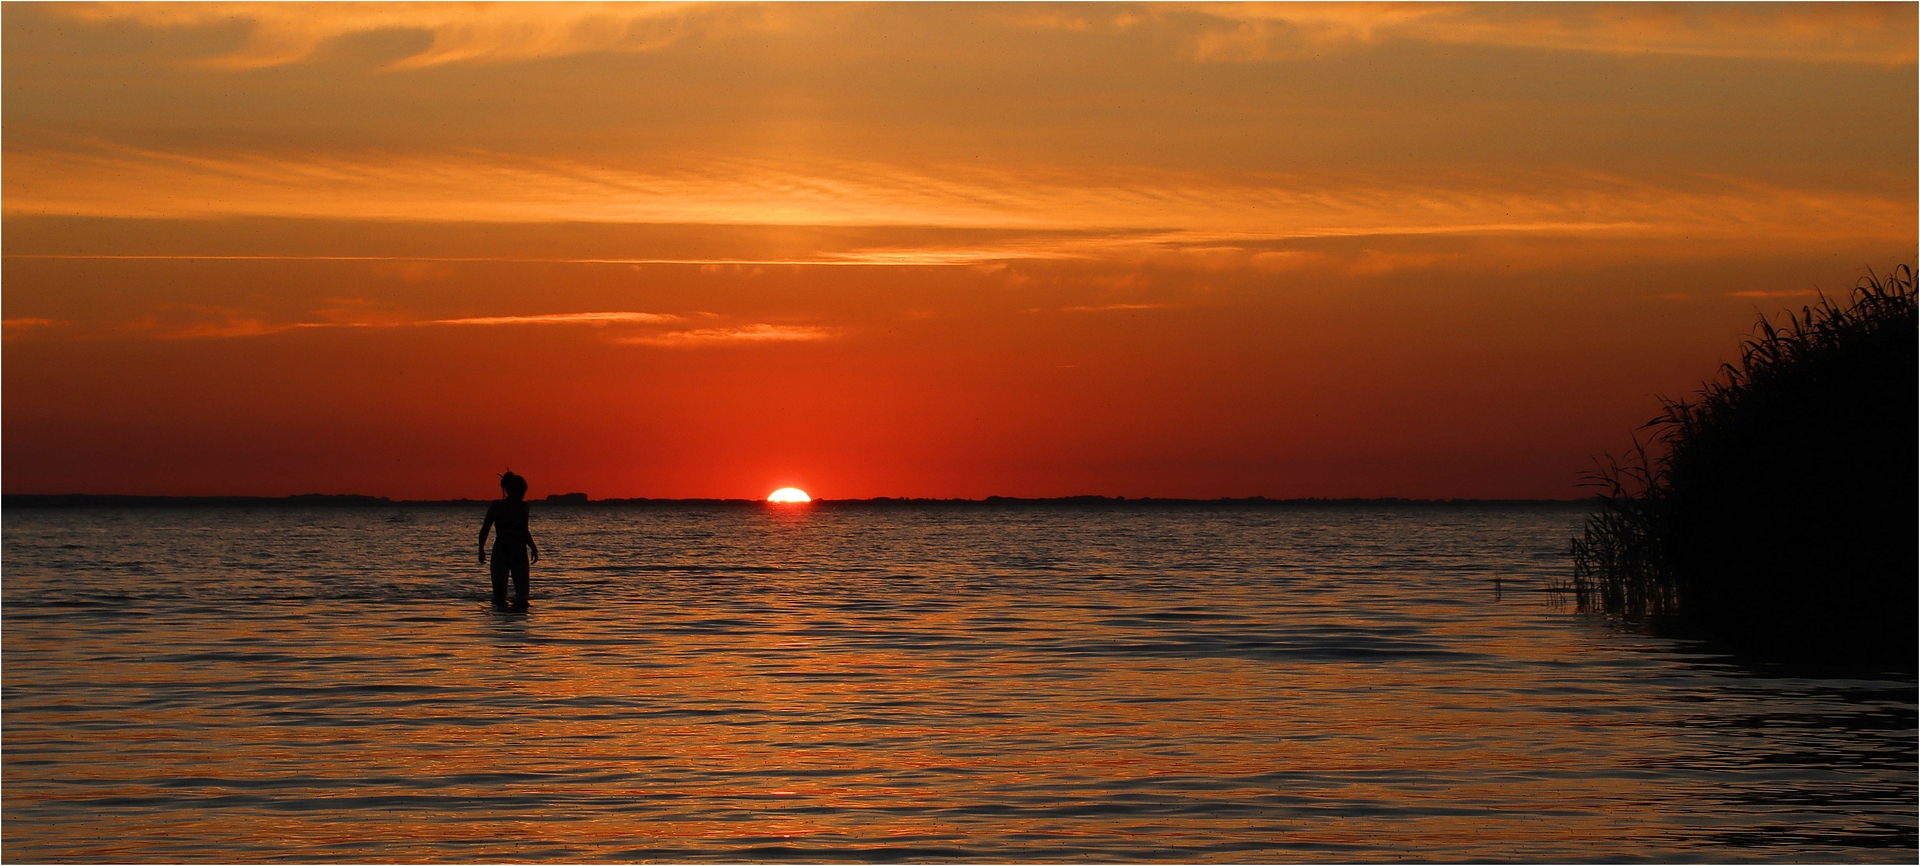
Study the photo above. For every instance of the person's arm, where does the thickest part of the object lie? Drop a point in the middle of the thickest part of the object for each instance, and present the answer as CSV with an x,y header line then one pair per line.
x,y
532,548
485,525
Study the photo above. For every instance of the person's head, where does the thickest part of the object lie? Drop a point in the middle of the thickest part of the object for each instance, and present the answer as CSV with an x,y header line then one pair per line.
x,y
513,485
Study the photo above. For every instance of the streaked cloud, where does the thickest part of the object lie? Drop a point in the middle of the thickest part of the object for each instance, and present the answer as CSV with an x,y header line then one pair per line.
x,y
215,322
18,327
1052,249
203,321
1873,33
281,33
200,322
748,334
1869,33
561,319
1102,308
1154,208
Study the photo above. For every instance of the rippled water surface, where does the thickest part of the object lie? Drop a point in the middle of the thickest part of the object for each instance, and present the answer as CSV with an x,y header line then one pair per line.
x,y
843,683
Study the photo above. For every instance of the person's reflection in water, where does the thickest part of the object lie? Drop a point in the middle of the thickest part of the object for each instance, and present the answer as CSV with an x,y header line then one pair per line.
x,y
512,546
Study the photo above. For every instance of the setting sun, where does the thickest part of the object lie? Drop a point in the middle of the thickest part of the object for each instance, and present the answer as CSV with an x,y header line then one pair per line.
x,y
1210,395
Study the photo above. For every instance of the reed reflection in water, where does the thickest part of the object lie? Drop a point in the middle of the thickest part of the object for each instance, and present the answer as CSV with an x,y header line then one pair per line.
x,y
864,683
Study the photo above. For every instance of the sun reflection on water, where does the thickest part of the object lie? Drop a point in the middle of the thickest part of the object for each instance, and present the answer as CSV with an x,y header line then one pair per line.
x,y
988,685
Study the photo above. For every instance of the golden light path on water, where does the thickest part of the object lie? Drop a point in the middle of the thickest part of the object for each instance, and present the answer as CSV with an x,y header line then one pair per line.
x,y
865,683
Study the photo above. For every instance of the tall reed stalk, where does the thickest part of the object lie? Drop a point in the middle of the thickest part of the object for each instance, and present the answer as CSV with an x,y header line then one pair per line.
x,y
1776,508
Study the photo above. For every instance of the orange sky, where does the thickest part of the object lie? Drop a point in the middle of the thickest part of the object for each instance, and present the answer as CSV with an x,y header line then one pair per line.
x,y
914,250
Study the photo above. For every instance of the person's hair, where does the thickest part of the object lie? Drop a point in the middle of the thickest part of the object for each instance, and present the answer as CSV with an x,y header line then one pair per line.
x,y
513,484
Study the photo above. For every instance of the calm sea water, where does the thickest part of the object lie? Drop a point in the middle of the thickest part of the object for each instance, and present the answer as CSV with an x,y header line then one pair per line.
x,y
858,683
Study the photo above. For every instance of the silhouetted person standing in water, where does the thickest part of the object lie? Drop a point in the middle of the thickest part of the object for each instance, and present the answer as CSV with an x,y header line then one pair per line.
x,y
513,544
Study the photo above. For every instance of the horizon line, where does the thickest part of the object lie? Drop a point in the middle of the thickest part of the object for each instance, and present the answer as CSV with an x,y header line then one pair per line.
x,y
578,499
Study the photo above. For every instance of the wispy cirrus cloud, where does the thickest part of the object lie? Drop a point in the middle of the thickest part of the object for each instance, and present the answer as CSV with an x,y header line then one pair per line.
x,y
201,321
1858,33
746,334
627,327
1050,248
206,321
1103,308
560,319
1111,208
1796,293
282,33
15,328
278,34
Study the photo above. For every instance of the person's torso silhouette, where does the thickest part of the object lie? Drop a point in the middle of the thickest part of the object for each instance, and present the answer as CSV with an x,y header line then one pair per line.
x,y
513,549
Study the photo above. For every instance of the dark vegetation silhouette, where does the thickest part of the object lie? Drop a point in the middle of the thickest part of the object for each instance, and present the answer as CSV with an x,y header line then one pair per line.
x,y
1775,509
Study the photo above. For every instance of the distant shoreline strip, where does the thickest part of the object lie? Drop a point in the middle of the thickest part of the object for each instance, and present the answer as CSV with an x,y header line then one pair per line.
x,y
103,500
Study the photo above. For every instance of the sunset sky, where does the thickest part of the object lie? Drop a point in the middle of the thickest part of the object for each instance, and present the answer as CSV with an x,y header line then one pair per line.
x,y
914,250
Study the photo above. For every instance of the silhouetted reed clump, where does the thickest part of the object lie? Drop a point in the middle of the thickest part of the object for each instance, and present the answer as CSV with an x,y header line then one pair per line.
x,y
1775,509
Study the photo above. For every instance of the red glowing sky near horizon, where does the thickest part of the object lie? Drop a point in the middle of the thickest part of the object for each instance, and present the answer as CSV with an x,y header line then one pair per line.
x,y
919,250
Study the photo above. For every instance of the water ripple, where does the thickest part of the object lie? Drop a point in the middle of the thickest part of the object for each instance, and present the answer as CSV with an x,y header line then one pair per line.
x,y
883,685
